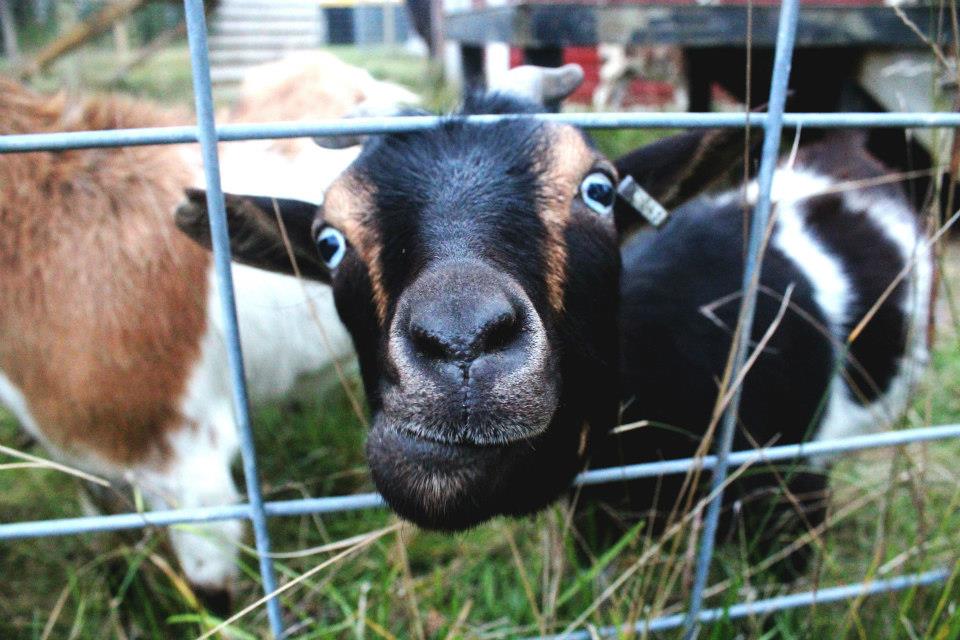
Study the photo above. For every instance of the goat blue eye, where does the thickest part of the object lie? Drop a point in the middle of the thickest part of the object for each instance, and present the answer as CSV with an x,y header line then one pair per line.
x,y
598,193
332,247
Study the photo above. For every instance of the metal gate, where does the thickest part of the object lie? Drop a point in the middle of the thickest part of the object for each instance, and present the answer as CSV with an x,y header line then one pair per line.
x,y
257,511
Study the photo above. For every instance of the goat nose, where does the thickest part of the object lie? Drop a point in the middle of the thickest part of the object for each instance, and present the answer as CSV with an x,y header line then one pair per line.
x,y
462,328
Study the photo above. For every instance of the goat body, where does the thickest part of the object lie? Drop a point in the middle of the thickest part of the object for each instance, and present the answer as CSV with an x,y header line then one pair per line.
x,y
112,349
836,246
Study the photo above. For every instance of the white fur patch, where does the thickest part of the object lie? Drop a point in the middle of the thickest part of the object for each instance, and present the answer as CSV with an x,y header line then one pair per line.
x,y
13,399
252,168
281,341
832,288
844,415
198,475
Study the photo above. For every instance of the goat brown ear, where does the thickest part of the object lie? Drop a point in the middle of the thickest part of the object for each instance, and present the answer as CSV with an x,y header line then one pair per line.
x,y
256,225
677,168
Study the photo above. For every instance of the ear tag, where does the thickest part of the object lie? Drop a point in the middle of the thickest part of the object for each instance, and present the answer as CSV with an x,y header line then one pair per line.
x,y
642,202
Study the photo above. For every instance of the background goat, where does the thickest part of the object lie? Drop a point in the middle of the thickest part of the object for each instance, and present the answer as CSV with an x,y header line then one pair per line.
x,y
111,347
478,270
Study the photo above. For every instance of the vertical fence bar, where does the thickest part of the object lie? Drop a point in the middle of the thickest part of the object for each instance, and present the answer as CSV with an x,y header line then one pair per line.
x,y
200,62
786,32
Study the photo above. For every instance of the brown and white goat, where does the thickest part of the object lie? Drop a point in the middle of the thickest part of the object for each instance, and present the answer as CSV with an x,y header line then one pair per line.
x,y
111,342
502,307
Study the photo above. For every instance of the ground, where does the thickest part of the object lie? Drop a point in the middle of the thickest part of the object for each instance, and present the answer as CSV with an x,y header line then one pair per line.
x,y
893,511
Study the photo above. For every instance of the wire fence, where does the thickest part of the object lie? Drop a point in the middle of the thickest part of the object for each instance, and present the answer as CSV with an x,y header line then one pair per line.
x,y
257,511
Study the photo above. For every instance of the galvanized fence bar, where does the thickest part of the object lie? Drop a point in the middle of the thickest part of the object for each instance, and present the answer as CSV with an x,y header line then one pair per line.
x,y
786,30
206,130
19,143
768,605
207,134
336,504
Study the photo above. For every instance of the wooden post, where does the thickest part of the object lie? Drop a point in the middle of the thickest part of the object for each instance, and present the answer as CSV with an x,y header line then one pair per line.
x,y
389,23
436,28
121,39
11,48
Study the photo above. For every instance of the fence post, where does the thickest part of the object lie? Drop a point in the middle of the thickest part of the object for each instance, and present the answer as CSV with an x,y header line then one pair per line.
x,y
786,31
207,135
11,47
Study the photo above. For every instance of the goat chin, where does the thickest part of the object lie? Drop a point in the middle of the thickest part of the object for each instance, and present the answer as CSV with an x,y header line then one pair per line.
x,y
451,487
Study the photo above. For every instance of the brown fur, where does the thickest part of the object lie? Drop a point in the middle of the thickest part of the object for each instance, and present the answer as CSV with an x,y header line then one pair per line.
x,y
347,206
568,159
90,267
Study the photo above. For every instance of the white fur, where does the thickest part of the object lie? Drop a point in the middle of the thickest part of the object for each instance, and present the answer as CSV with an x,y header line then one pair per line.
x,y
287,328
254,168
844,415
13,399
831,286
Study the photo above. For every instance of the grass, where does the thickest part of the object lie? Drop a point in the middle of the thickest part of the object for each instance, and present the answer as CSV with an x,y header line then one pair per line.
x,y
892,511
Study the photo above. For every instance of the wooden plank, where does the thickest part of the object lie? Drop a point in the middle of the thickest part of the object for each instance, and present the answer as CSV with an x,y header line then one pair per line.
x,y
262,42
551,25
266,26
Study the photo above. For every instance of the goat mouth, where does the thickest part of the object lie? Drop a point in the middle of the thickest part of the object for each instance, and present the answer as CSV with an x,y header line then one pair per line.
x,y
487,413
451,486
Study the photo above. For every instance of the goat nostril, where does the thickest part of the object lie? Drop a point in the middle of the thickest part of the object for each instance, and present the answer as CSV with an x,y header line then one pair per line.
x,y
499,333
428,345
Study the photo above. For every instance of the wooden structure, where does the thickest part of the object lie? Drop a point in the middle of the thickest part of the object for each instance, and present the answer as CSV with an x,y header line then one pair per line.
x,y
831,36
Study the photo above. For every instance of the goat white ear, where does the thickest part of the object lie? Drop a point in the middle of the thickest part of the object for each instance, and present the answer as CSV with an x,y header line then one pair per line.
x,y
362,110
540,84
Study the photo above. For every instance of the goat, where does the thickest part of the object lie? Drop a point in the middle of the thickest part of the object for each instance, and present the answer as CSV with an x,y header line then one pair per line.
x,y
503,304
111,341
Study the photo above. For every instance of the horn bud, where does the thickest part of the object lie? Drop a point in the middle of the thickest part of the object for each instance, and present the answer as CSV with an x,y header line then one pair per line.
x,y
540,84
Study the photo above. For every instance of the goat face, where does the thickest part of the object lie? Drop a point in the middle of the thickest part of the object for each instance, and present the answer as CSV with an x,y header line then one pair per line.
x,y
477,269
490,344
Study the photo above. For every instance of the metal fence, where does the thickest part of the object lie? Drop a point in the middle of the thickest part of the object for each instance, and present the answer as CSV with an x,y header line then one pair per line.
x,y
257,511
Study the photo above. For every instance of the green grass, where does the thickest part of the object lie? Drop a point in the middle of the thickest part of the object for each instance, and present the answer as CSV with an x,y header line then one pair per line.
x,y
893,511
313,446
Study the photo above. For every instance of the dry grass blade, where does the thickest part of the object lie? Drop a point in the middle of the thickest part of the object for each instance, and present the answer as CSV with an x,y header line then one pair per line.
x,y
524,579
315,316
176,580
900,276
380,631
461,618
761,345
410,588
367,540
13,466
920,34
55,613
630,426
312,551
50,464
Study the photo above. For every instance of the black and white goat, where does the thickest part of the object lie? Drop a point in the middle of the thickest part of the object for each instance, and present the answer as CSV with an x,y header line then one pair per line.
x,y
500,324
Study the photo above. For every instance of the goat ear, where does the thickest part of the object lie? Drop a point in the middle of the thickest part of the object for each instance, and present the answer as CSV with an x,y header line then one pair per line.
x,y
256,238
674,169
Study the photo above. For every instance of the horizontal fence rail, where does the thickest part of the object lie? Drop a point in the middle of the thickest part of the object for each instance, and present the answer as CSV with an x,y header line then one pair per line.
x,y
335,504
403,124
256,510
769,605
